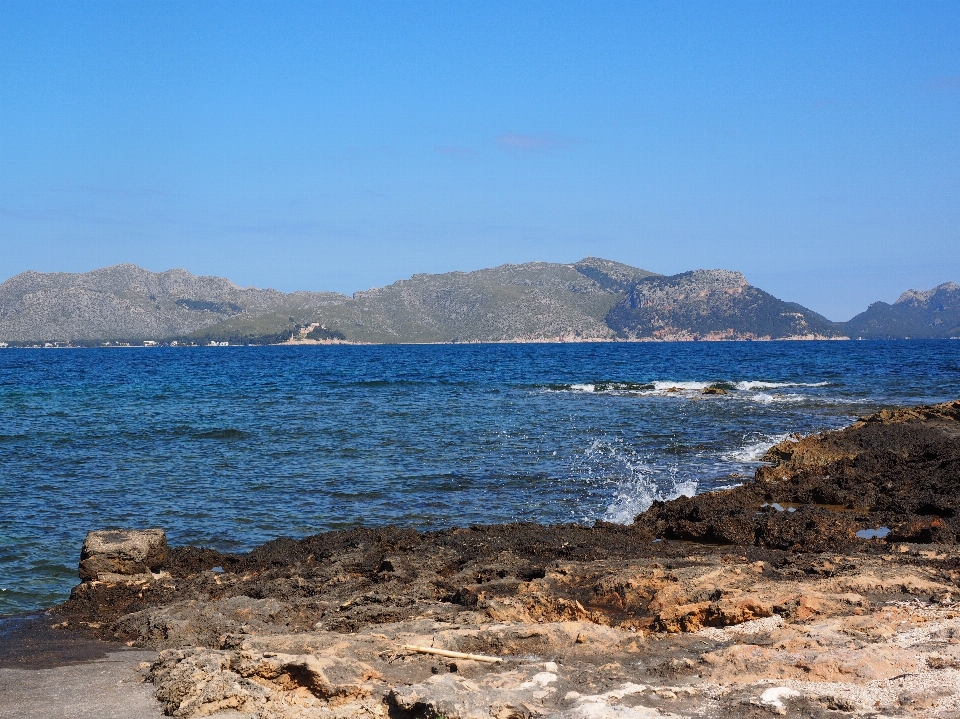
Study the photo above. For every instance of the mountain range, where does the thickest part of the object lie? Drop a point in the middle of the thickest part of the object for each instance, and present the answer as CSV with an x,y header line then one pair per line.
x,y
594,299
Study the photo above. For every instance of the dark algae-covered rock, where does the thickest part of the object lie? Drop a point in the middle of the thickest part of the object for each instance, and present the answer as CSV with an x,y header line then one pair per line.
x,y
897,470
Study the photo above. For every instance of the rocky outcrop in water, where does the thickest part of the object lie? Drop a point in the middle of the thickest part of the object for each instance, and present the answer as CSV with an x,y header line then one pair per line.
x,y
896,471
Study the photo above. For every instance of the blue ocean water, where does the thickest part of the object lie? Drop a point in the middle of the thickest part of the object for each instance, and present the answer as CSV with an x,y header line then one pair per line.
x,y
230,446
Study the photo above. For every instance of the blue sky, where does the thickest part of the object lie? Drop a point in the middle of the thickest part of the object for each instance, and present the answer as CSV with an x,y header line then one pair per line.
x,y
813,146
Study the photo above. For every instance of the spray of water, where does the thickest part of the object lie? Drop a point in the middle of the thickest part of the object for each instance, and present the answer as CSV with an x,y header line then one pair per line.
x,y
632,484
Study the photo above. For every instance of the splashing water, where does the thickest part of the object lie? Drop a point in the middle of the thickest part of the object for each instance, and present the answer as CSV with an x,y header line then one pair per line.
x,y
636,494
688,386
631,483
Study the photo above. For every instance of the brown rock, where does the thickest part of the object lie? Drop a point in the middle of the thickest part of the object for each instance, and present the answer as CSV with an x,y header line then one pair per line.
x,y
122,552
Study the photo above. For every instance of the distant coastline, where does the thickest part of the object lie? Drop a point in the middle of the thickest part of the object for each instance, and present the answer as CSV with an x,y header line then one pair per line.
x,y
519,341
593,300
351,343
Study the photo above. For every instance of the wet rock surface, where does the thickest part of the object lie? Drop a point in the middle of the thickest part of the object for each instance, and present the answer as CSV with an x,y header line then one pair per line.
x,y
760,611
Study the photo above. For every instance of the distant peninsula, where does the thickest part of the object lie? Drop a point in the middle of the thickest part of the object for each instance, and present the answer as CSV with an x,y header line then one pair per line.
x,y
590,300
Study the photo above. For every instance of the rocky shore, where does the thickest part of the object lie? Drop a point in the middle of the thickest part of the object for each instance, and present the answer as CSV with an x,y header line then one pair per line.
x,y
825,587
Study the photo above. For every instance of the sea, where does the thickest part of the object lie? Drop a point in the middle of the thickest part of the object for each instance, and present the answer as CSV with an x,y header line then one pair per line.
x,y
228,447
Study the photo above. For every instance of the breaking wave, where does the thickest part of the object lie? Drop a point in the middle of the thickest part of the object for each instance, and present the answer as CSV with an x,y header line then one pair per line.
x,y
602,387
750,390
754,448
637,494
689,386
758,384
766,398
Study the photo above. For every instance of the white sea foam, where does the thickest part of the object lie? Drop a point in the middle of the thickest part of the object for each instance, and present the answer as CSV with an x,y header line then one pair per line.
x,y
754,448
608,387
662,387
692,386
759,384
765,398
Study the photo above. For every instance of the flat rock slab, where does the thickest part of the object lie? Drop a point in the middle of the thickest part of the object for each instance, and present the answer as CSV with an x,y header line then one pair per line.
x,y
108,688
47,673
32,641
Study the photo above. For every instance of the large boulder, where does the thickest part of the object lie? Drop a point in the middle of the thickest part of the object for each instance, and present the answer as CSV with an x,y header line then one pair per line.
x,y
122,551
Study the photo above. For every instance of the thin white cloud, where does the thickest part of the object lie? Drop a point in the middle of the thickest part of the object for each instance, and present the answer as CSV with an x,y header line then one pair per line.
x,y
946,83
455,151
517,142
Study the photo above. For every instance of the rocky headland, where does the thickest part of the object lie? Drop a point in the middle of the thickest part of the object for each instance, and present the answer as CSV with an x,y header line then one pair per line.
x,y
825,587
915,314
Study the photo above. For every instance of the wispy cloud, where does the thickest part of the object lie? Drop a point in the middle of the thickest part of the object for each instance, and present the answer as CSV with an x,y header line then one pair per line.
x,y
126,192
516,142
18,215
455,151
951,82
277,227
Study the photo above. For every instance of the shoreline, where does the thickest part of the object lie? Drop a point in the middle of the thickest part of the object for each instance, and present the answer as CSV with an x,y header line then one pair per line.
x,y
48,673
737,603
349,343
30,641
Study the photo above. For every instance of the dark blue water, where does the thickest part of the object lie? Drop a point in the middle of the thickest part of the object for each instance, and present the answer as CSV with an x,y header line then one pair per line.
x,y
229,447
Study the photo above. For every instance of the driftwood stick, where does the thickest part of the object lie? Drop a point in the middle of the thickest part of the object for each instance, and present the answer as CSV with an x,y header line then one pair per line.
x,y
452,655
